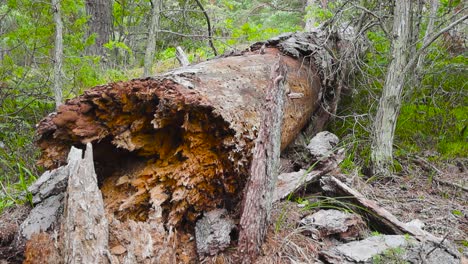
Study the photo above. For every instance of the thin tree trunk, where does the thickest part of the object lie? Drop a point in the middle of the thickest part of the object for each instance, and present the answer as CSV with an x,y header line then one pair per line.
x,y
151,44
58,57
264,170
390,102
427,35
310,21
99,23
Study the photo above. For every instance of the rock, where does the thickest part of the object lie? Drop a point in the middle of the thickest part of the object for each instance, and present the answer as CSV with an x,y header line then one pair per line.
x,y
365,250
42,217
212,232
415,225
322,145
393,249
345,226
431,253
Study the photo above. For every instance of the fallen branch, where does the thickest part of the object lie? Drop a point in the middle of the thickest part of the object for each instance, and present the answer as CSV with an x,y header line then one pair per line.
x,y
387,219
428,166
210,34
181,57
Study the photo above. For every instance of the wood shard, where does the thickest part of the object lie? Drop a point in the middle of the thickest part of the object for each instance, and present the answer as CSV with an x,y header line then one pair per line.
x,y
84,226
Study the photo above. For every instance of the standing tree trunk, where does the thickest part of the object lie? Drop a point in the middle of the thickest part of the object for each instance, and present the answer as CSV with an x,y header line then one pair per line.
x,y
58,57
427,35
310,21
390,102
99,23
151,44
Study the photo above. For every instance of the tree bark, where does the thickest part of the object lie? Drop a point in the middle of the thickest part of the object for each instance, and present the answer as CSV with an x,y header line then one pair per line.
x,y
58,54
258,199
151,44
390,101
100,24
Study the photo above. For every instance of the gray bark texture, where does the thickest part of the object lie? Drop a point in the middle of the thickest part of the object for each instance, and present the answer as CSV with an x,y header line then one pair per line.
x,y
99,23
84,226
151,44
264,170
390,101
58,57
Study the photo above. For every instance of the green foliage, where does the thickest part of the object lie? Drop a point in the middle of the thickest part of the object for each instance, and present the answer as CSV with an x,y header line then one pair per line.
x,y
457,213
392,255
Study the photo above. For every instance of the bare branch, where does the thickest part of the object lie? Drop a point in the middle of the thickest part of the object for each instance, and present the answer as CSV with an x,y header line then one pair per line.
x,y
379,18
210,38
415,57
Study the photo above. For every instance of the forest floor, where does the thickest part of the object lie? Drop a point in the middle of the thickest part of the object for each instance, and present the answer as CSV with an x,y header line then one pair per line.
x,y
421,194
415,193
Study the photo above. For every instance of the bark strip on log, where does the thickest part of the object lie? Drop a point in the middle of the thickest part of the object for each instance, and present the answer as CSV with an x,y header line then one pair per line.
x,y
264,169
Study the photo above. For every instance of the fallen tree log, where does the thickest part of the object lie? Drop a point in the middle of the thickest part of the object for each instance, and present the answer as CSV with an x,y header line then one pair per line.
x,y
184,137
171,147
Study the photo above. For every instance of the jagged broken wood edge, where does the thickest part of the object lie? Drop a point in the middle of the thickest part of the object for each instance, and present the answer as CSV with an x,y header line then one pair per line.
x,y
84,224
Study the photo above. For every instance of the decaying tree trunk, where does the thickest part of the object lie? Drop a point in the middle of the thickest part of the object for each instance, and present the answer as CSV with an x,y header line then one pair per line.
x,y
168,148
